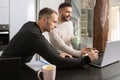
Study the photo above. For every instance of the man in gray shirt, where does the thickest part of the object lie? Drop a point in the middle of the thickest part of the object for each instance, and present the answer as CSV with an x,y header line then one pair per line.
x,y
61,38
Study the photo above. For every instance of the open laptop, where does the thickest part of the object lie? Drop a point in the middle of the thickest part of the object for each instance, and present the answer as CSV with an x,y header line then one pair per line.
x,y
10,68
111,54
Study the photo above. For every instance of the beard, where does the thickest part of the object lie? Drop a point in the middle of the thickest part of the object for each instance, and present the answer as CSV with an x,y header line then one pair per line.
x,y
66,18
46,27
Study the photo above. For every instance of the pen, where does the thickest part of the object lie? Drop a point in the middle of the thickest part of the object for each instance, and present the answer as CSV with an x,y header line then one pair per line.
x,y
44,62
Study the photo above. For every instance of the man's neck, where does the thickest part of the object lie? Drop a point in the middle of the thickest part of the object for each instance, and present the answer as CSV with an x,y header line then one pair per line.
x,y
40,26
60,20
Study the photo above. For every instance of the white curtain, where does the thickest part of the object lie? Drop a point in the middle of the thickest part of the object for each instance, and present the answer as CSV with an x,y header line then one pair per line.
x,y
114,24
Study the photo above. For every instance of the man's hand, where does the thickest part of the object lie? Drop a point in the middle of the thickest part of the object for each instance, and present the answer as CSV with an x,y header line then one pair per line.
x,y
93,55
65,55
91,52
87,50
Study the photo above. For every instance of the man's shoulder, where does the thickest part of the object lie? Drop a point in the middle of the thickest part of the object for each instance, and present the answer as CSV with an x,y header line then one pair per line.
x,y
68,22
30,22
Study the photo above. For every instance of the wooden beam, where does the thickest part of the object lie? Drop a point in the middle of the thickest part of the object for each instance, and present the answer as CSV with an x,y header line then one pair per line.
x,y
101,24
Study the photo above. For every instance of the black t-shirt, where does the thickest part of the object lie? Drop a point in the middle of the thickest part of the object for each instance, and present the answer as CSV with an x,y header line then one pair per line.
x,y
29,40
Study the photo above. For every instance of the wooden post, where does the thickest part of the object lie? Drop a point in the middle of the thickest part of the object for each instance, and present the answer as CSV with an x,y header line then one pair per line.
x,y
101,24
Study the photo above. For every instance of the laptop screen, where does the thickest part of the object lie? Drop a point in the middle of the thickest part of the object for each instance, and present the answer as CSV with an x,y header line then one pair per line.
x,y
110,55
10,68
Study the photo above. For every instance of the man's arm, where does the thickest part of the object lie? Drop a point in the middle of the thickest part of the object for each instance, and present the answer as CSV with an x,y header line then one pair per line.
x,y
44,49
56,40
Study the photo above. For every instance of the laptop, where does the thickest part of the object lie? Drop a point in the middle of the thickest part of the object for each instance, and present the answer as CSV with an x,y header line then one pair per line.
x,y
10,68
110,55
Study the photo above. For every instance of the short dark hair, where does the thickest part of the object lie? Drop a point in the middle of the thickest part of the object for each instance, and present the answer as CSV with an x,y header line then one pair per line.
x,y
46,12
63,5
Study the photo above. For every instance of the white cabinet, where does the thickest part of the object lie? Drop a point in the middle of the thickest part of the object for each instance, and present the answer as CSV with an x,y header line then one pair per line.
x,y
21,11
4,3
4,11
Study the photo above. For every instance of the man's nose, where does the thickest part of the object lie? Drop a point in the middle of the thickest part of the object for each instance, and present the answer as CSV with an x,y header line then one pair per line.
x,y
55,26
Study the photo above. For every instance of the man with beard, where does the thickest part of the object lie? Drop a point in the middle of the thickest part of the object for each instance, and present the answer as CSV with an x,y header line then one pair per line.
x,y
29,40
62,37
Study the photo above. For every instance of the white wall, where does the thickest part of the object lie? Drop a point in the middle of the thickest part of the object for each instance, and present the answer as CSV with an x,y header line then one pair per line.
x,y
51,4
4,11
21,11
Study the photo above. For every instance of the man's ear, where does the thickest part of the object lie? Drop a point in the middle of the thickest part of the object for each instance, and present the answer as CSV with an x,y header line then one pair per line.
x,y
44,19
60,11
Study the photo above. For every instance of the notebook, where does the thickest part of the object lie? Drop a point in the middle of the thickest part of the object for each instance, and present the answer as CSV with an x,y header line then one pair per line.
x,y
10,68
37,65
111,54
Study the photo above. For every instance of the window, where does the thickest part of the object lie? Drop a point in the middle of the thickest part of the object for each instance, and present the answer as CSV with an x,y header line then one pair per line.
x,y
114,24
